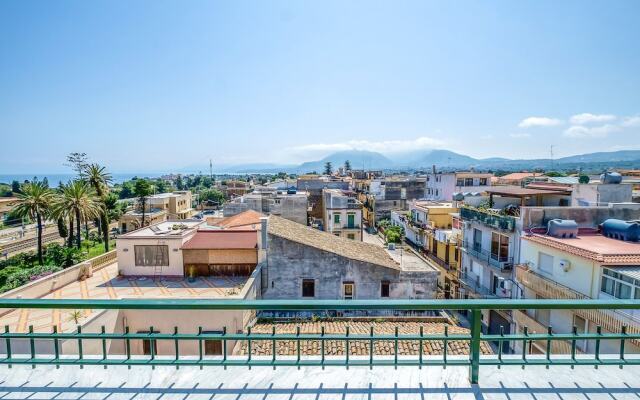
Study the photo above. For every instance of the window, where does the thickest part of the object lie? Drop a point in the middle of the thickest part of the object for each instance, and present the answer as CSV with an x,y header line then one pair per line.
x,y
308,288
460,182
468,181
351,236
619,285
499,247
336,218
148,344
151,255
384,289
213,347
483,181
545,262
348,290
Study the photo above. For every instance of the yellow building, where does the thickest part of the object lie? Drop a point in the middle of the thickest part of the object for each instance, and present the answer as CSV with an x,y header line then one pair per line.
x,y
430,226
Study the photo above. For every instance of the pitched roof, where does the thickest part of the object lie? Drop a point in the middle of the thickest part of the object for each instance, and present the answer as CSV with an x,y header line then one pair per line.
x,y
594,247
222,239
244,219
516,176
348,248
360,347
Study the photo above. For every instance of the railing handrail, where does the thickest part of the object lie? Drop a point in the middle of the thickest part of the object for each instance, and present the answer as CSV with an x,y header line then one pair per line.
x,y
235,304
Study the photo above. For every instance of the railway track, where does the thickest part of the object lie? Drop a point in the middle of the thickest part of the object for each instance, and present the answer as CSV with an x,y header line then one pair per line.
x,y
27,244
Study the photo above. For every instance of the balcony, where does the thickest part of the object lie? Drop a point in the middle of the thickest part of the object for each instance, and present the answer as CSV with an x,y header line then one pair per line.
x,y
493,260
610,320
314,363
491,219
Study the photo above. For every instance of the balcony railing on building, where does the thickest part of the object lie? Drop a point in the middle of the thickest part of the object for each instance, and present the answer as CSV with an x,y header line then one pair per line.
x,y
91,345
500,262
610,320
491,219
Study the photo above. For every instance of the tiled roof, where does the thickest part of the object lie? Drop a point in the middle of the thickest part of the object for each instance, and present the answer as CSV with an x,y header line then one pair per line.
x,y
222,239
356,347
348,248
593,247
244,219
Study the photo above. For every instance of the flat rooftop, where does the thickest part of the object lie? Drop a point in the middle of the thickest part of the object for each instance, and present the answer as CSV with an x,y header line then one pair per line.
x,y
516,191
106,284
593,246
175,228
315,383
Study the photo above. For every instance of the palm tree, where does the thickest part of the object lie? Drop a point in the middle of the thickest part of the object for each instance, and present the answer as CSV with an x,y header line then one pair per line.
x,y
142,190
35,202
81,202
99,179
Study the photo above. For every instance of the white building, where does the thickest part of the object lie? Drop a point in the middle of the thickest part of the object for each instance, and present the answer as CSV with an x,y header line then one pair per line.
x,y
341,214
442,186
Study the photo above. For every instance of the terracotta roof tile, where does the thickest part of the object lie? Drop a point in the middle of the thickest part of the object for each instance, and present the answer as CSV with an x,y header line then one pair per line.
x,y
222,239
244,219
359,347
593,247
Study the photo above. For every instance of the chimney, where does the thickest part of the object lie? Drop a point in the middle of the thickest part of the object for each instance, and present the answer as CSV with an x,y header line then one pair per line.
x,y
263,231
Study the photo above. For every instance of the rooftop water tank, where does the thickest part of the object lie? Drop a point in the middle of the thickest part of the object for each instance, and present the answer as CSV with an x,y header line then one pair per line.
x,y
622,230
457,196
611,178
562,228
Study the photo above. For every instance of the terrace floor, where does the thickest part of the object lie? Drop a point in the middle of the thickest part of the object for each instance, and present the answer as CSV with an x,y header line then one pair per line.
x,y
106,284
240,383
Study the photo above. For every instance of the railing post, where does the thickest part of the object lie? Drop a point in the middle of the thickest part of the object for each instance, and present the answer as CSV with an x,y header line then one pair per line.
x,y
474,346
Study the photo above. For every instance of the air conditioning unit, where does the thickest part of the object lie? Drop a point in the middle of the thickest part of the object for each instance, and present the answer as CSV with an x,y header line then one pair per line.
x,y
565,265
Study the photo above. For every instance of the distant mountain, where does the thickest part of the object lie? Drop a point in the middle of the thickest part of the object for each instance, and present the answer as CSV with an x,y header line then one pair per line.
x,y
440,158
443,160
357,158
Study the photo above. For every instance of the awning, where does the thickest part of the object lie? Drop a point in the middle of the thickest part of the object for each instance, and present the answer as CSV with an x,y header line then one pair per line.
x,y
632,271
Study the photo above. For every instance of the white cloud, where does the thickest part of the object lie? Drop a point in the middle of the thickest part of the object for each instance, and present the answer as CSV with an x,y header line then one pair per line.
x,y
531,122
578,131
630,122
384,146
588,118
520,135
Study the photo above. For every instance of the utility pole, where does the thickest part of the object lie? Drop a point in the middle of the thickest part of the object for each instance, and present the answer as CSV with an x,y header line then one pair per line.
x,y
211,170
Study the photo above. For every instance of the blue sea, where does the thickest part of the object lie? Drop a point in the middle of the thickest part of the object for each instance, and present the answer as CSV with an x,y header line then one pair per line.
x,y
54,179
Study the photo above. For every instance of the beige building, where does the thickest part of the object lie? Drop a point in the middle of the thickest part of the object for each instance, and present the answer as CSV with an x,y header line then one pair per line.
x,y
342,214
159,208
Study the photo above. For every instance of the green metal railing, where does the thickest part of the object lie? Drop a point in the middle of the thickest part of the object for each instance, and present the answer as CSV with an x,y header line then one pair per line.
x,y
474,337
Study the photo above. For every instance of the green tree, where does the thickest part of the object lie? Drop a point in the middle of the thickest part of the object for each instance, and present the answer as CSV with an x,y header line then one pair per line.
x,y
142,190
99,179
36,200
179,183
347,166
212,194
583,179
79,198
328,168
15,187
78,162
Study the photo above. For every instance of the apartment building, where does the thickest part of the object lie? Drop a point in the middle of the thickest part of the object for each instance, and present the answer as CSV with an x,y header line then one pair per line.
x,y
159,208
390,193
428,226
342,214
440,186
584,264
291,204
314,185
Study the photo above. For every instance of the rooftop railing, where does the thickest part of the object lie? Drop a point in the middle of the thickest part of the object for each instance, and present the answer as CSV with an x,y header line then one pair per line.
x,y
503,222
474,338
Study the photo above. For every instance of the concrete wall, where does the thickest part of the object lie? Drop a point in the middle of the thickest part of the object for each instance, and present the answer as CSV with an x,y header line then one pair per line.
x,y
126,256
586,217
288,263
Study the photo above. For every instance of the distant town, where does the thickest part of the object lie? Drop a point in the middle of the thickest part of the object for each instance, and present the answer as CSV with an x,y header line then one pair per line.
x,y
338,234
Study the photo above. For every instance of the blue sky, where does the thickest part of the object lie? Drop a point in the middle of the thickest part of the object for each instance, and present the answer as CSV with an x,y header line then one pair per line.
x,y
156,86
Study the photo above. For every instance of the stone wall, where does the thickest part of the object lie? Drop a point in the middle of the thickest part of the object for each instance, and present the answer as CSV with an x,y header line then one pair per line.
x,y
288,263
